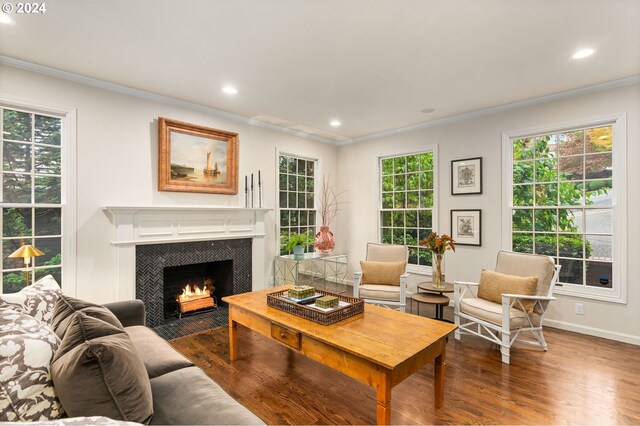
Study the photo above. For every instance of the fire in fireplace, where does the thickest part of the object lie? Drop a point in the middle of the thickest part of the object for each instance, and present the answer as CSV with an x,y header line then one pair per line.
x,y
195,287
193,299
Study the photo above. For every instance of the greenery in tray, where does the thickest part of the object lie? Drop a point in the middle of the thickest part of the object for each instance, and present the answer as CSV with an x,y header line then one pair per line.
x,y
305,239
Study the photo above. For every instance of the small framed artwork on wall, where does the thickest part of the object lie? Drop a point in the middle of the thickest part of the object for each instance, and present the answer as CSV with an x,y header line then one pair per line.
x,y
466,176
466,227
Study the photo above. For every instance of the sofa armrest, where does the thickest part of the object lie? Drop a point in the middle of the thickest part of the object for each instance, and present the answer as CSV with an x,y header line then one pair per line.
x,y
129,312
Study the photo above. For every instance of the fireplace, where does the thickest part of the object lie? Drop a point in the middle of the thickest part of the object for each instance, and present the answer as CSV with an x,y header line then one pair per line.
x,y
146,239
162,271
196,287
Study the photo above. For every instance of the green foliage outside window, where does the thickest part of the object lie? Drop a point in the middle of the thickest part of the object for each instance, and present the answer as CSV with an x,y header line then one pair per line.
x,y
406,215
32,167
561,173
296,194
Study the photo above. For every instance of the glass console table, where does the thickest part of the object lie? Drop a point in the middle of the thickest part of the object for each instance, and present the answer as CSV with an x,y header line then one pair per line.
x,y
324,272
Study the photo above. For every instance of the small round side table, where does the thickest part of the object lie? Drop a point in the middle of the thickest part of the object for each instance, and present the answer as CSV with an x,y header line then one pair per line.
x,y
431,293
432,299
428,286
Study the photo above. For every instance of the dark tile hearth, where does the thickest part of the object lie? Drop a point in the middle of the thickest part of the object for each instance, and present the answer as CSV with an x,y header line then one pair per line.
x,y
193,324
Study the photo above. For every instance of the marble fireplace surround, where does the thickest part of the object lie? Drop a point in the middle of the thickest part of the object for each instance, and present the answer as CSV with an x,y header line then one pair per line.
x,y
133,226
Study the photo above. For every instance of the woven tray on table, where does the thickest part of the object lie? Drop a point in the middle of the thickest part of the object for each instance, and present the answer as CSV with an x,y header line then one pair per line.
x,y
355,307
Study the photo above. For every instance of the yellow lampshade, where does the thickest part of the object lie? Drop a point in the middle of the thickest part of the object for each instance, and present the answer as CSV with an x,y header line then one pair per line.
x,y
26,251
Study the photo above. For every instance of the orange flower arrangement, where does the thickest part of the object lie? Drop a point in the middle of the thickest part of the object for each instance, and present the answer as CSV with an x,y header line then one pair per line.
x,y
438,243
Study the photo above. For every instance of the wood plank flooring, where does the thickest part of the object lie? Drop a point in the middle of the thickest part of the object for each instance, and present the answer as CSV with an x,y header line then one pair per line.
x,y
580,380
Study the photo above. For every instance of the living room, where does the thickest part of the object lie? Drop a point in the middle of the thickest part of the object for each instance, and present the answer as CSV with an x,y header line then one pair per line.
x,y
484,74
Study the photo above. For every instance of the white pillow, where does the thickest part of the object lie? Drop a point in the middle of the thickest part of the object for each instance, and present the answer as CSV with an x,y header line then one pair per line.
x,y
36,300
26,350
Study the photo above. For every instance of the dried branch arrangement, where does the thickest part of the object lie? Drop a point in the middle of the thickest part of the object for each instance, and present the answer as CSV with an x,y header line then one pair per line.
x,y
329,203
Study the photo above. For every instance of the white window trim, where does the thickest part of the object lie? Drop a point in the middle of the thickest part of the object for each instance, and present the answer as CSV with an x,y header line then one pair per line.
x,y
317,172
617,294
435,217
68,204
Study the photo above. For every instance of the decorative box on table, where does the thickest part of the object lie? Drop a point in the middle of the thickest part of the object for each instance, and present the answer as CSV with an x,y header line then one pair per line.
x,y
301,292
347,307
327,301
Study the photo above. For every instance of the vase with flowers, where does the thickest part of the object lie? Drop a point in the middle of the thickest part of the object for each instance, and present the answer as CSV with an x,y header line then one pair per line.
x,y
329,203
438,245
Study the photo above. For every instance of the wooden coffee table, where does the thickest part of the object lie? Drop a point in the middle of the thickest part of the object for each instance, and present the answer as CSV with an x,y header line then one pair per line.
x,y
380,347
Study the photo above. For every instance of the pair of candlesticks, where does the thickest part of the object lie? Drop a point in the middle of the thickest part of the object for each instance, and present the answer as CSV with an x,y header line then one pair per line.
x,y
249,196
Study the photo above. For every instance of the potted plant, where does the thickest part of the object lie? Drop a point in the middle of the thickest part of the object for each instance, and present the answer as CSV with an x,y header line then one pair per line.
x,y
297,243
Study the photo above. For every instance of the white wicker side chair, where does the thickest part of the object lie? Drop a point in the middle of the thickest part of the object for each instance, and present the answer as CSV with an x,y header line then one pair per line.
x,y
383,279
503,323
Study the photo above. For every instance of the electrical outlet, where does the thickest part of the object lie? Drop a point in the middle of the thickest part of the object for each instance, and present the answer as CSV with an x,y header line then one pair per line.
x,y
580,308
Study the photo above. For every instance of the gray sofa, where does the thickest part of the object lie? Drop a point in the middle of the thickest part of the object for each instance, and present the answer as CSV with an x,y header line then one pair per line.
x,y
182,393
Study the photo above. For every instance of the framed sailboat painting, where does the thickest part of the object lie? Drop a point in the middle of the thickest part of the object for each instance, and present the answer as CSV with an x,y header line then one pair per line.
x,y
193,158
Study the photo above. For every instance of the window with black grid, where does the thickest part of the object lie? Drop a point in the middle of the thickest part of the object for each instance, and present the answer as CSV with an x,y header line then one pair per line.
x,y
297,211
31,195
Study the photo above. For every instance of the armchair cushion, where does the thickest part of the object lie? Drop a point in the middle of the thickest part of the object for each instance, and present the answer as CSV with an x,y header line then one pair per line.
x,y
528,265
492,312
389,293
383,273
493,284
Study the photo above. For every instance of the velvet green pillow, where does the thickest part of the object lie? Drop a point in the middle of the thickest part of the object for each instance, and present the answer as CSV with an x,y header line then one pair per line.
x,y
101,376
66,306
81,328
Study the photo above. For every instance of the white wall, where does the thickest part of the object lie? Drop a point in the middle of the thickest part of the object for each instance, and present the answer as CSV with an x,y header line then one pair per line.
x,y
117,164
482,137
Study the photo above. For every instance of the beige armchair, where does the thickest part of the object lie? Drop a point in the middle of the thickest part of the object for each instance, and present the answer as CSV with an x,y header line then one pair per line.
x,y
383,276
495,310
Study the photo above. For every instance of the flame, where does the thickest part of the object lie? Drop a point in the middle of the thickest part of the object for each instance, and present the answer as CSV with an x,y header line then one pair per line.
x,y
196,293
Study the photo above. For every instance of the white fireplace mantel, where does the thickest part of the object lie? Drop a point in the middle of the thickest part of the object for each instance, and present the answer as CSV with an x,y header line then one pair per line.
x,y
134,225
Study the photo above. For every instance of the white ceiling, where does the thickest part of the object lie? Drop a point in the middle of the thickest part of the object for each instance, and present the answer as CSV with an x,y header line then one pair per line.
x,y
372,64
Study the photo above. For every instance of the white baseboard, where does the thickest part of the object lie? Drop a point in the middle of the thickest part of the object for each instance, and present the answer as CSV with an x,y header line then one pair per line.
x,y
591,331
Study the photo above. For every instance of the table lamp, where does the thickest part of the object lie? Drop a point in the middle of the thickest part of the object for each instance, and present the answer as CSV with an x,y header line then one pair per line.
x,y
26,251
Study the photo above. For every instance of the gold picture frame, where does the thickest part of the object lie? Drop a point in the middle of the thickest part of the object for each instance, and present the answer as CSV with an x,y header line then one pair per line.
x,y
193,158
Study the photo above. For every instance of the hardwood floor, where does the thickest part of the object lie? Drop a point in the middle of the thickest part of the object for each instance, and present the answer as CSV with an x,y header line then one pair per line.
x,y
581,379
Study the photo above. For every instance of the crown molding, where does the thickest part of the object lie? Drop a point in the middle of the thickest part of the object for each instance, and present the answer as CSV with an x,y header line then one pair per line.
x,y
628,81
126,90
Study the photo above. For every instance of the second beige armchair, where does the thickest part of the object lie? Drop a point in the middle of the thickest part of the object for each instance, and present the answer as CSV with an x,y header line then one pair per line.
x,y
383,276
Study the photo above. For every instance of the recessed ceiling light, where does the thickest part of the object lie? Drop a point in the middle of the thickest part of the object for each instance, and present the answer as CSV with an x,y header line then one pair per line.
x,y
230,90
4,19
335,123
427,110
583,53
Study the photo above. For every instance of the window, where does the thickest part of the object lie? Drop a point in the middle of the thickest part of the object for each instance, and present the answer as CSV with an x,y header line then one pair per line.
x,y
407,202
296,198
563,187
31,194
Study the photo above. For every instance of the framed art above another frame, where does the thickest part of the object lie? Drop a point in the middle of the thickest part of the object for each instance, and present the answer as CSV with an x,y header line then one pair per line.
x,y
193,158
466,227
466,176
